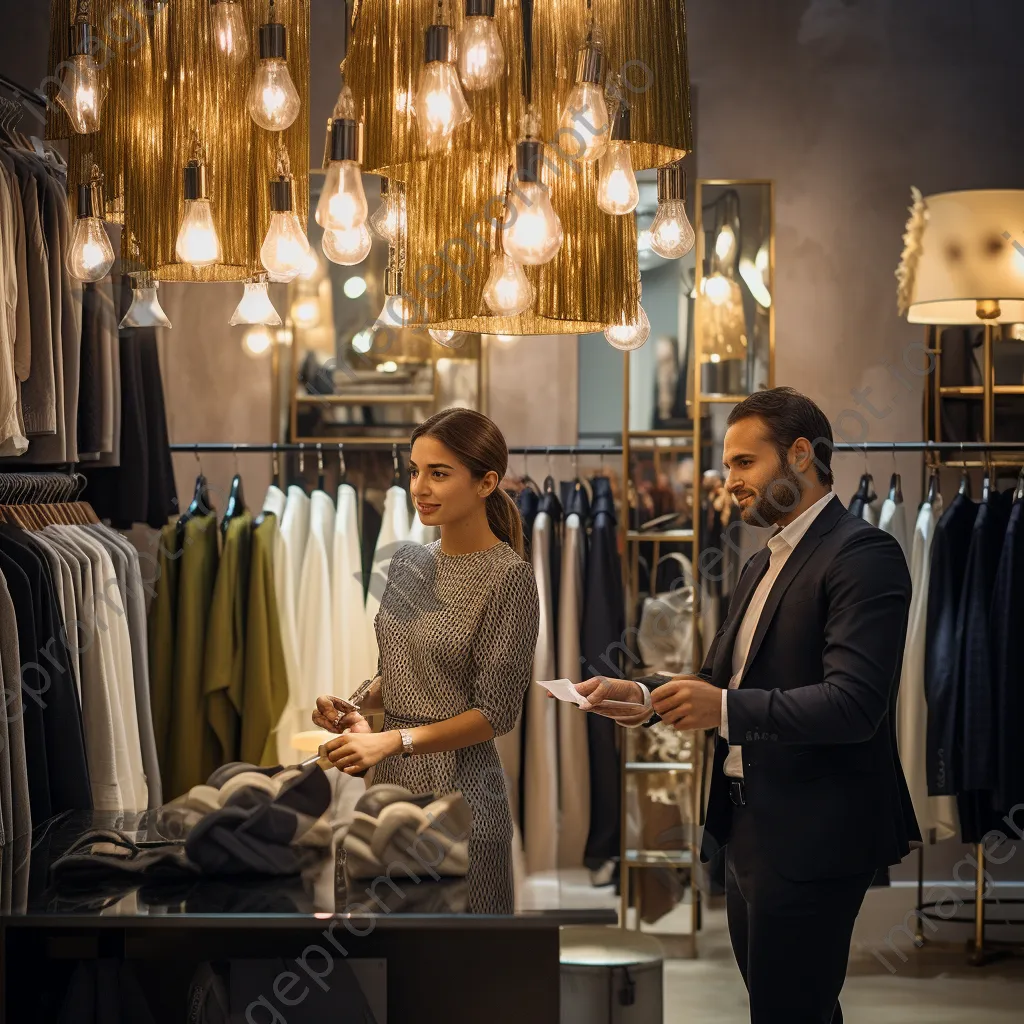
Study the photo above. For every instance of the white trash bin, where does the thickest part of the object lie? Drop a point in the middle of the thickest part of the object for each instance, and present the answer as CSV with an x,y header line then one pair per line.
x,y
610,976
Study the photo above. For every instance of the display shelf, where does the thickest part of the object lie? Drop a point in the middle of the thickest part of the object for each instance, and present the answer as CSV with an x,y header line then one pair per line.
x,y
659,766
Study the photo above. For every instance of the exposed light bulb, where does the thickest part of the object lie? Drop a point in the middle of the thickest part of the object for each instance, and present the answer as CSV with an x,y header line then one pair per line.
x,y
306,312
643,240
617,190
508,291
354,287
286,249
362,341
310,265
629,336
389,220
90,254
586,115
198,242
671,233
255,306
396,312
273,100
229,30
342,203
388,366
347,248
718,288
145,310
257,342
533,234
443,338
481,55
82,88
725,243
439,105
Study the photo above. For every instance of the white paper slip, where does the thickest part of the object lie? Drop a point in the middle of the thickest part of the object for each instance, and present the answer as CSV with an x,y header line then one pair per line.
x,y
563,689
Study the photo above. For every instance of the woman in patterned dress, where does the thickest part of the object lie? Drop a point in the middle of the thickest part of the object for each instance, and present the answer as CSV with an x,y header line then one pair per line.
x,y
457,632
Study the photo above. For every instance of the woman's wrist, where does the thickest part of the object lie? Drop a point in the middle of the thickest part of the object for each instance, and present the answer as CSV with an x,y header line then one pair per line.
x,y
395,747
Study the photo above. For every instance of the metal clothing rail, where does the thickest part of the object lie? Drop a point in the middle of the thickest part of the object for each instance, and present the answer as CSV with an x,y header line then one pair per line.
x,y
327,447
28,94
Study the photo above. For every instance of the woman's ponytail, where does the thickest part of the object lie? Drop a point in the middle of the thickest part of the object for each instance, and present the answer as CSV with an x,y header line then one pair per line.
x,y
504,519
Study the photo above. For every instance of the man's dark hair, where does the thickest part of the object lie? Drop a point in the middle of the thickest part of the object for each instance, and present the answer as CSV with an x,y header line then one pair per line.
x,y
790,415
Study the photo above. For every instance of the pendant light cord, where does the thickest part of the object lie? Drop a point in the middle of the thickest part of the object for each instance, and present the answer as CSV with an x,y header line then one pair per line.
x,y
527,6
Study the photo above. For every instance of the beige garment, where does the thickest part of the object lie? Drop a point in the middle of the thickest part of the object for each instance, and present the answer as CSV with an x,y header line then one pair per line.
x,y
573,749
352,663
294,531
12,427
540,813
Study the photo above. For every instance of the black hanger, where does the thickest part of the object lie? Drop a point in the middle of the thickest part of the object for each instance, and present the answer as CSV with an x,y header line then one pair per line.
x,y
396,478
866,488
342,468
320,480
1018,494
202,504
965,483
986,483
896,489
528,480
236,499
549,480
933,485
276,467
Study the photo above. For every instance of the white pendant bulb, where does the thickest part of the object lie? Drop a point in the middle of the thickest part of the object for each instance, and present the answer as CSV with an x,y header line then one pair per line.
x,y
347,248
255,306
229,31
198,243
443,337
145,309
672,235
481,55
273,101
439,105
585,114
342,205
390,219
90,254
82,86
286,251
617,190
533,233
629,335
508,291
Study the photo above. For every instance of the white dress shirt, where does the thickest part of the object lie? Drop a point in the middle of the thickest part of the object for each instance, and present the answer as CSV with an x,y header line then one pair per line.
x,y
781,546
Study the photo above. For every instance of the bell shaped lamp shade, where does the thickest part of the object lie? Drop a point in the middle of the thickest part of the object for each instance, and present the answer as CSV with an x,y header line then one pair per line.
x,y
963,258
145,310
255,306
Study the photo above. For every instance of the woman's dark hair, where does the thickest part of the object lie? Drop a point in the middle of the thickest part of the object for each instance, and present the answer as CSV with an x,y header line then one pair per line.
x,y
790,415
480,446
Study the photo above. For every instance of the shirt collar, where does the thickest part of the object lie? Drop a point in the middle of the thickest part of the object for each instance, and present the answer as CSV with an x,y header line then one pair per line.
x,y
791,535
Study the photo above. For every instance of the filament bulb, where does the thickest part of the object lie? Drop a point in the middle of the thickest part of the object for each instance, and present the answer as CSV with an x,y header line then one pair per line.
x,y
533,234
198,242
347,248
481,55
342,203
90,255
439,104
508,291
671,233
229,30
286,251
617,191
627,336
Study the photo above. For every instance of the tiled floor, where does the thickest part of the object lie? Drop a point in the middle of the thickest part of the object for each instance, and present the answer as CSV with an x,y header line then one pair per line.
x,y
935,985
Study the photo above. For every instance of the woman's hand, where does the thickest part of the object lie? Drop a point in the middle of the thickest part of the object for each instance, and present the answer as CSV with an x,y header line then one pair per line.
x,y
335,718
357,752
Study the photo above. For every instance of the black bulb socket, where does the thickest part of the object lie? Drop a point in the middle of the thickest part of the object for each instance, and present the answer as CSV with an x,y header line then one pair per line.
x,y
590,64
437,48
622,125
346,140
671,182
529,157
273,41
480,8
83,39
281,195
195,181
90,200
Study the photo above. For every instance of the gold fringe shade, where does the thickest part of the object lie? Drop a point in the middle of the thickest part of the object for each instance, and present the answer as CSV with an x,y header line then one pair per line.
x,y
167,85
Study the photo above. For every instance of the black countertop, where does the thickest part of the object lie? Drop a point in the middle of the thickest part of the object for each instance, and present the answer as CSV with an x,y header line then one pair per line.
x,y
32,900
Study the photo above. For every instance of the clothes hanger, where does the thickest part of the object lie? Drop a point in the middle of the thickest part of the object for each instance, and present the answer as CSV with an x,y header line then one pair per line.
x,y
965,477
895,481
236,498
396,478
528,480
302,468
986,481
320,479
201,505
276,467
549,480
933,485
342,468
1018,494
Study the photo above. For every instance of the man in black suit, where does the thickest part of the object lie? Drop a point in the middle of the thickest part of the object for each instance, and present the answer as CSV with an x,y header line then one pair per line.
x,y
807,793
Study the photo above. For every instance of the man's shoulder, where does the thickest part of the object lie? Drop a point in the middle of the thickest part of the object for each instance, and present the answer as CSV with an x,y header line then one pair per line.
x,y
855,540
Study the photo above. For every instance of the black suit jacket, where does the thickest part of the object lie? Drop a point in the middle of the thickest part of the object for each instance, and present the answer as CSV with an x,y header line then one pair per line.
x,y
816,708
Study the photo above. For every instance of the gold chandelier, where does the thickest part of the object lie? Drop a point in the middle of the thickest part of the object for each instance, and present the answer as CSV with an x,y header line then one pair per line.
x,y
456,193
193,112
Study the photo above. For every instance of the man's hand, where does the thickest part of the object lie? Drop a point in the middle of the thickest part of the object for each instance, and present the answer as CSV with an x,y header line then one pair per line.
x,y
688,702
601,688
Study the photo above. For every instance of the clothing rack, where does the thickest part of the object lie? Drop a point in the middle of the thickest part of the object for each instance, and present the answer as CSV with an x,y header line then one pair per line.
x,y
205,447
26,94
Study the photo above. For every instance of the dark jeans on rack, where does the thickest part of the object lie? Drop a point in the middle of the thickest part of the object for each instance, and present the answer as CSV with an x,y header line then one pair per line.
x,y
791,939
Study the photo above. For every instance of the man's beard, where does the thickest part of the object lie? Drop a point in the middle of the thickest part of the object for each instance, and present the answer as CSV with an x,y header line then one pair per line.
x,y
780,498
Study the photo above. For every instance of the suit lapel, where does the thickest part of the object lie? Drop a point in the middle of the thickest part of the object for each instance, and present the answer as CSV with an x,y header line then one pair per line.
x,y
808,544
737,609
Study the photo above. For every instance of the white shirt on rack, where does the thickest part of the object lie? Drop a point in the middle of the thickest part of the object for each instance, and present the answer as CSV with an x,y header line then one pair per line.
x,y
781,546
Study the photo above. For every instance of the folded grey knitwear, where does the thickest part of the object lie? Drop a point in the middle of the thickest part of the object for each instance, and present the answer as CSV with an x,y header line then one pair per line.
x,y
253,834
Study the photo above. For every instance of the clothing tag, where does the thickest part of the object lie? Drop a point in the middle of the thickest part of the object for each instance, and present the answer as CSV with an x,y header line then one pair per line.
x,y
564,690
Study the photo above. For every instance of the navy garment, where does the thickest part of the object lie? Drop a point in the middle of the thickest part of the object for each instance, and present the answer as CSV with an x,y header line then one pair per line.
x,y
604,625
67,772
945,588
1007,628
529,504
549,503
976,726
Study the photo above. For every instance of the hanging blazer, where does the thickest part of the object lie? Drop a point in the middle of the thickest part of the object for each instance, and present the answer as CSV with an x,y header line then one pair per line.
x,y
815,711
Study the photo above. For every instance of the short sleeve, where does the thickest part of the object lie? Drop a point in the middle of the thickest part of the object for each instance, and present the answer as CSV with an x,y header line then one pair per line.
x,y
504,649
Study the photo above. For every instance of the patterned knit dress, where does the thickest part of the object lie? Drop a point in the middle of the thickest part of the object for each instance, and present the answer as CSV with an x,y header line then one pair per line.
x,y
459,632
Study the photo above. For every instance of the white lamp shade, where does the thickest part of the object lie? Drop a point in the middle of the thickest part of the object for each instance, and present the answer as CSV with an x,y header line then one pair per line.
x,y
965,258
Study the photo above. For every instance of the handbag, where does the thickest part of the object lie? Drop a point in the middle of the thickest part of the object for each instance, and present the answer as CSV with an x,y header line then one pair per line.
x,y
665,637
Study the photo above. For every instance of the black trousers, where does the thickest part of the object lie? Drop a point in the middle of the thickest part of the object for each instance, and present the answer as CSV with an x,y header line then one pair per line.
x,y
791,939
